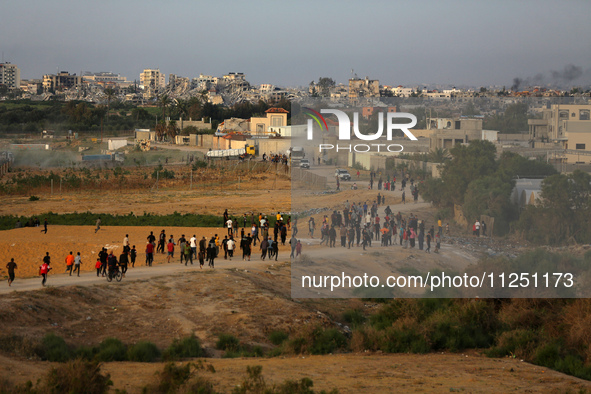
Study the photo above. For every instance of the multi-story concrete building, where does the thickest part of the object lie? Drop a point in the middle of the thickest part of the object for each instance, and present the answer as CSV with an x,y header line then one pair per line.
x,y
447,132
10,75
568,125
60,81
363,88
103,77
31,86
152,81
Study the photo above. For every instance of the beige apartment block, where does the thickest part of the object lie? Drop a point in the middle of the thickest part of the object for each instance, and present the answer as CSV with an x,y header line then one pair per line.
x,y
566,124
62,80
10,75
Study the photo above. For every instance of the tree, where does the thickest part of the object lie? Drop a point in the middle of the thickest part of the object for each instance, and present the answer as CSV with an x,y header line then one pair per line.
x,y
468,163
164,102
324,84
172,130
182,108
562,213
490,196
513,120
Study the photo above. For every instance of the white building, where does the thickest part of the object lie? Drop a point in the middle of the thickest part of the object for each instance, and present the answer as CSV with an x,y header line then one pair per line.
x,y
10,75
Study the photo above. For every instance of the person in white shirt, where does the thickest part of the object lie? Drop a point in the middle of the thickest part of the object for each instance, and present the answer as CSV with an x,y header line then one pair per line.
x,y
193,244
231,245
229,225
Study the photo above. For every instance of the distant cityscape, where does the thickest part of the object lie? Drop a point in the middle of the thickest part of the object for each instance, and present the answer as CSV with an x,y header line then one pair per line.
x,y
234,87
555,123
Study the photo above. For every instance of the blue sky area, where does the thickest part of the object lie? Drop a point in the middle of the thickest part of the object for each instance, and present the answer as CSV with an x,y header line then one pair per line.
x,y
477,43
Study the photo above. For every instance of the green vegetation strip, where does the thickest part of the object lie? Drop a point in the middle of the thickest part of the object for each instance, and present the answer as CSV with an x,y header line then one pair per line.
x,y
89,219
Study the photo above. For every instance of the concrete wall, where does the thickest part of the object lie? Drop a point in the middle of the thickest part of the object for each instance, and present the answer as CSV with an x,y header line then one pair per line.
x,y
272,145
367,160
513,137
114,144
145,135
200,124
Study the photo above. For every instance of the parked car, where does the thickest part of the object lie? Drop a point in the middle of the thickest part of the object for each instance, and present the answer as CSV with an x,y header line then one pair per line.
x,y
343,175
304,163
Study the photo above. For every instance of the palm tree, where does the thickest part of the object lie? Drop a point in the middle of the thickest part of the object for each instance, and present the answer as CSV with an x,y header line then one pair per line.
x,y
182,107
164,102
439,155
172,130
160,130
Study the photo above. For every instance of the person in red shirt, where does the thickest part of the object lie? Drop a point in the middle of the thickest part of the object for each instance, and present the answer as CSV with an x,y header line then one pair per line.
x,y
98,266
170,248
149,253
69,263
44,269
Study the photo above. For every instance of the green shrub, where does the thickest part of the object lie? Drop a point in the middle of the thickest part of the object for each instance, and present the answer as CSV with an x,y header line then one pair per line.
x,y
54,348
278,337
298,345
518,343
33,198
444,213
354,317
111,349
85,353
18,345
327,341
181,379
77,377
143,351
228,342
199,164
172,378
184,348
547,355
404,339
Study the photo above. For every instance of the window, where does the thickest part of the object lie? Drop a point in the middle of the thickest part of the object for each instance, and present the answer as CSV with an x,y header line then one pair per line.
x,y
580,146
584,114
563,114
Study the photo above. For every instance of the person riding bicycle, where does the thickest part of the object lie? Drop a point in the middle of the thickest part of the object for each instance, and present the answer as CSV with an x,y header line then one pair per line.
x,y
112,264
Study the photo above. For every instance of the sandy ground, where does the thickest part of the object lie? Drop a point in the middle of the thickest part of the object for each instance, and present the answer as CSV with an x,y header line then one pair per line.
x,y
246,299
351,373
28,245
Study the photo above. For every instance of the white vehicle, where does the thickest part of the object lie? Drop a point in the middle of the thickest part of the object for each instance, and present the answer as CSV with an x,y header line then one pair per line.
x,y
343,175
304,163
226,153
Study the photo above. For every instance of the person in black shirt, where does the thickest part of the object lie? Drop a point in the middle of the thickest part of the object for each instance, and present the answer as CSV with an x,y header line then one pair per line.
x,y
161,242
133,255
151,237
103,257
10,267
112,263
123,261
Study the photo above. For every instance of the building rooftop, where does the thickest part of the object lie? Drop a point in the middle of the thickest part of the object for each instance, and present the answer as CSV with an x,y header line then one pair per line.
x,y
275,110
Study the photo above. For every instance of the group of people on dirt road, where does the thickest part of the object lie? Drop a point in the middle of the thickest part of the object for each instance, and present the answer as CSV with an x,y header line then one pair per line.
x,y
107,263
359,224
255,228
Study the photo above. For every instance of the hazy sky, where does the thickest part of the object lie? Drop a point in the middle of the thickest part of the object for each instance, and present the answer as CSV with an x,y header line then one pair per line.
x,y
293,42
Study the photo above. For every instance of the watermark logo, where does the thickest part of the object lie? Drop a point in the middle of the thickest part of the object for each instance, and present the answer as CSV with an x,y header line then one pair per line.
x,y
317,117
344,129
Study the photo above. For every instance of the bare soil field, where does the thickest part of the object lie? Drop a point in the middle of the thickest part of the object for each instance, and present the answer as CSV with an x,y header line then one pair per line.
x,y
350,373
246,299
